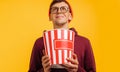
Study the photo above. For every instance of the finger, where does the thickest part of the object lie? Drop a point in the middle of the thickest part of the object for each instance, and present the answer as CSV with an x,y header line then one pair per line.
x,y
47,69
71,66
72,70
73,61
43,52
45,59
74,56
47,64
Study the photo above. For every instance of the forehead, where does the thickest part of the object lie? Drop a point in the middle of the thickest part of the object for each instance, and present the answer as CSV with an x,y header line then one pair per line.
x,y
60,4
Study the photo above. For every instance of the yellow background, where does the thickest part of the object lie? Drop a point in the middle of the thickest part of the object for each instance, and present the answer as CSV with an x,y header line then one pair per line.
x,y
23,21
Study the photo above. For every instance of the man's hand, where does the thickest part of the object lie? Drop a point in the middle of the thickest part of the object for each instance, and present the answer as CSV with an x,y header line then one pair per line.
x,y
46,62
72,66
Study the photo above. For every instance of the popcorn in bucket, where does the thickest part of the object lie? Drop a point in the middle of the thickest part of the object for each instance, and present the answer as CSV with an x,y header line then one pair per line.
x,y
59,44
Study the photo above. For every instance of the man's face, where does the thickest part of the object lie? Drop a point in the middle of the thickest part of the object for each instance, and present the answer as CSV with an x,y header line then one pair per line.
x,y
60,13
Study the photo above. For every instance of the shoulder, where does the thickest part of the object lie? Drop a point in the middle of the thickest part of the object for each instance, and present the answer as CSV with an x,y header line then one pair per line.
x,y
83,42
81,38
39,42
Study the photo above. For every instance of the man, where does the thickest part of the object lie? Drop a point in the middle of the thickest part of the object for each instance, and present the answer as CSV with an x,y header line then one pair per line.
x,y
60,14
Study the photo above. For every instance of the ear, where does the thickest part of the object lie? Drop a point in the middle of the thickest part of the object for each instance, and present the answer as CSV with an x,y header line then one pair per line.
x,y
50,19
70,16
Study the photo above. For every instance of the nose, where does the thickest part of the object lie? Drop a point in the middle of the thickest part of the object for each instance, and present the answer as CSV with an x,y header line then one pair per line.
x,y
59,11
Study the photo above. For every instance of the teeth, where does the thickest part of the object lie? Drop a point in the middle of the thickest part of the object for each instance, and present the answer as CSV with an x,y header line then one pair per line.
x,y
59,17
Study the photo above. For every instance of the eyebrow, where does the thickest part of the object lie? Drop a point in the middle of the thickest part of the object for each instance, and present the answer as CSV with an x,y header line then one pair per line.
x,y
61,6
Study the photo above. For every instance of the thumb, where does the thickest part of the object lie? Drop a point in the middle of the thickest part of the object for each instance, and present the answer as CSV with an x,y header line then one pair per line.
x,y
74,56
44,52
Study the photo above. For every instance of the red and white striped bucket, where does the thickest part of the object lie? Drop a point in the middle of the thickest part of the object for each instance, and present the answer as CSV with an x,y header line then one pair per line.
x,y
59,44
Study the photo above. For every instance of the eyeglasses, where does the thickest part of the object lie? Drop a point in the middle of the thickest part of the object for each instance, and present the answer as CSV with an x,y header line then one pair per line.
x,y
63,9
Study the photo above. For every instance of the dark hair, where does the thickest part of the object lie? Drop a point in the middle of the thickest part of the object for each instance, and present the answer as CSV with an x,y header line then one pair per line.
x,y
58,1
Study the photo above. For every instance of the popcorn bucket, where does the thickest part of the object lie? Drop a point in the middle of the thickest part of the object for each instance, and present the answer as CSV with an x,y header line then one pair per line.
x,y
59,44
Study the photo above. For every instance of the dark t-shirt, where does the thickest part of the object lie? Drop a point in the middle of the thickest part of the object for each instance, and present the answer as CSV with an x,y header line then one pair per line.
x,y
82,48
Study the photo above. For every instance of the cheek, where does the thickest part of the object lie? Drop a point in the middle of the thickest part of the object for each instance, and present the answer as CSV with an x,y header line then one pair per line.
x,y
52,17
66,16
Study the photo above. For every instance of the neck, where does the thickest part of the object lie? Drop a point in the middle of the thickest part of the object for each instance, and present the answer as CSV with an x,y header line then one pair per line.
x,y
60,26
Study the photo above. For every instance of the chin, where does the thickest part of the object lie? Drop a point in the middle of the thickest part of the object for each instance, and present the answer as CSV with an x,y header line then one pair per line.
x,y
60,23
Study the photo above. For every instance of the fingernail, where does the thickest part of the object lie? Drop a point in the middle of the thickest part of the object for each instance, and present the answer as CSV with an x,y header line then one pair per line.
x,y
67,58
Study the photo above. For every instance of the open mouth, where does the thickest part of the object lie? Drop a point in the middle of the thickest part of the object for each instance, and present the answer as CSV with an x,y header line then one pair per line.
x,y
59,16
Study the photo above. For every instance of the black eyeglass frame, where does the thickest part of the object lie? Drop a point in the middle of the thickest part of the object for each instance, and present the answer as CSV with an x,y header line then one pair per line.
x,y
52,11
